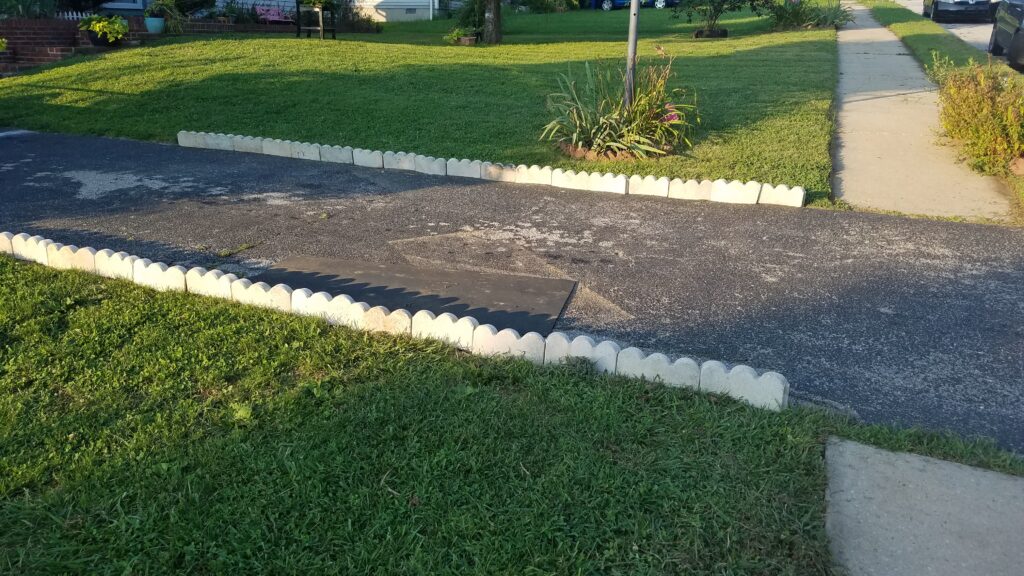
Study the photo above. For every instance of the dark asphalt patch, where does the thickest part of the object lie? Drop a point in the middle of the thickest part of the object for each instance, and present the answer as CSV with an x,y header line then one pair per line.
x,y
898,320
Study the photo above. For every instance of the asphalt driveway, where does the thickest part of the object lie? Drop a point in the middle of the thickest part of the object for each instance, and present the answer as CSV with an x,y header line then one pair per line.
x,y
897,320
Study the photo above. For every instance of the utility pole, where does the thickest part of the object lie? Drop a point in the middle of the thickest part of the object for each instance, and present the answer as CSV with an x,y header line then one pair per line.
x,y
634,18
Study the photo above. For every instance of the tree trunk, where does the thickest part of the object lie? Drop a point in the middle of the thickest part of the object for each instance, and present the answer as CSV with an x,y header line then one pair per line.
x,y
492,22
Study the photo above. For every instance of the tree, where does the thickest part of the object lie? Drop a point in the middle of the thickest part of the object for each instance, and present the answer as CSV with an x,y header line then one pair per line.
x,y
710,11
492,22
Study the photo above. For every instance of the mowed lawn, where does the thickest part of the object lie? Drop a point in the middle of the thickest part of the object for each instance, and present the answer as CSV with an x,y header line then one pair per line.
x,y
765,97
145,432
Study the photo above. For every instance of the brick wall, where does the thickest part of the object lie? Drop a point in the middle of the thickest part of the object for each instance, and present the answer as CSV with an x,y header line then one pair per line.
x,y
32,33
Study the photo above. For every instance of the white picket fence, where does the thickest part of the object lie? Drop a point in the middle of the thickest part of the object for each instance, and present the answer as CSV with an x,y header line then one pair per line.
x,y
73,15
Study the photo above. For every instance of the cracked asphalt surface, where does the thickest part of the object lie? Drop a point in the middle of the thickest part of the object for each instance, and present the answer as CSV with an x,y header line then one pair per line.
x,y
896,320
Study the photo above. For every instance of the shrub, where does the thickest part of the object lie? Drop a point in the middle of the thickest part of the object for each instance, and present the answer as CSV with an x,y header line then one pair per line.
x,y
27,8
709,12
803,14
110,27
453,35
3,44
167,10
592,121
982,106
80,5
187,7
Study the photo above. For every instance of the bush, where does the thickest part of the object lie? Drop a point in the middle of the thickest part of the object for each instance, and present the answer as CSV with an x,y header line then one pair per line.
x,y
27,8
187,7
803,14
110,27
709,12
982,106
591,120
80,5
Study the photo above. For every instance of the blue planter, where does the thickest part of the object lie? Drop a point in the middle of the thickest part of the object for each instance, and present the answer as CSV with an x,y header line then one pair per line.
x,y
155,25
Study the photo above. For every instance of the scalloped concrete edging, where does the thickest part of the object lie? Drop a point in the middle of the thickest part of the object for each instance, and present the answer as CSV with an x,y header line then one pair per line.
x,y
768,390
733,192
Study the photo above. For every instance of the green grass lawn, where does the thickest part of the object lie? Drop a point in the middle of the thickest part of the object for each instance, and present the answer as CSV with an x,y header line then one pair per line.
x,y
922,36
153,432
765,97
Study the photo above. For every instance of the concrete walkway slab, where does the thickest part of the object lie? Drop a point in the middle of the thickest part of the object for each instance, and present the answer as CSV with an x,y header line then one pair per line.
x,y
888,156
894,513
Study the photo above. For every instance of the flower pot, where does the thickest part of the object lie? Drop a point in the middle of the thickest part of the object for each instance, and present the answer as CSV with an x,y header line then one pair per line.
x,y
155,25
95,39
717,33
467,40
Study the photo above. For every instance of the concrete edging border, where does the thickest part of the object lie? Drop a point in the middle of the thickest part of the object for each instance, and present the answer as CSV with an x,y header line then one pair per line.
x,y
733,192
768,390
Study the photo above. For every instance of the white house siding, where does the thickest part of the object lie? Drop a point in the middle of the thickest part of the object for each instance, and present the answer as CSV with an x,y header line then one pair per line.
x,y
396,10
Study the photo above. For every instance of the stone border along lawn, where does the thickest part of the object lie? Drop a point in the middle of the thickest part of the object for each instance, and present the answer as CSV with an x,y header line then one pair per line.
x,y
160,432
769,390
734,192
766,98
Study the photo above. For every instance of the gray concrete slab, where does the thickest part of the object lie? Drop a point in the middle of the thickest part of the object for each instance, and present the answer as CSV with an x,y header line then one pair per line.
x,y
914,322
892,513
888,154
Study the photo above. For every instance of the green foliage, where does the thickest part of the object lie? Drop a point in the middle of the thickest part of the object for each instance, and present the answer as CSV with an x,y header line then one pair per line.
x,y
27,8
148,432
590,115
3,44
545,6
168,10
190,6
112,28
453,35
471,15
710,12
982,106
806,14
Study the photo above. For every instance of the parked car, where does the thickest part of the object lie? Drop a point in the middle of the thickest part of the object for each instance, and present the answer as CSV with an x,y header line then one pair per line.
x,y
607,5
1007,37
960,9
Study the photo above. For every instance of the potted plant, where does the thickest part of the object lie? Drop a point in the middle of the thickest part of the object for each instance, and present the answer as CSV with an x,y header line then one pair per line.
x,y
104,30
460,36
161,15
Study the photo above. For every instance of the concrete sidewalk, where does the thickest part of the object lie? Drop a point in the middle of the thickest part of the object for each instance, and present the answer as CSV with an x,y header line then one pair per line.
x,y
888,156
893,513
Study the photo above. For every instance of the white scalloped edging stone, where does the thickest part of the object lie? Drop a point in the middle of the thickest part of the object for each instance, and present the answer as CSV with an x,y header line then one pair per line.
x,y
305,151
648,186
769,390
570,179
249,144
690,189
277,147
612,183
533,174
782,195
497,172
336,154
213,283
367,158
70,257
430,165
464,168
657,367
110,264
489,341
447,328
735,192
380,319
158,275
398,161
277,297
217,141
31,248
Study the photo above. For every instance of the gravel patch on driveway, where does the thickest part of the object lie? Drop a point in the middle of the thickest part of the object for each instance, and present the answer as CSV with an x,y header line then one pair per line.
x,y
900,320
